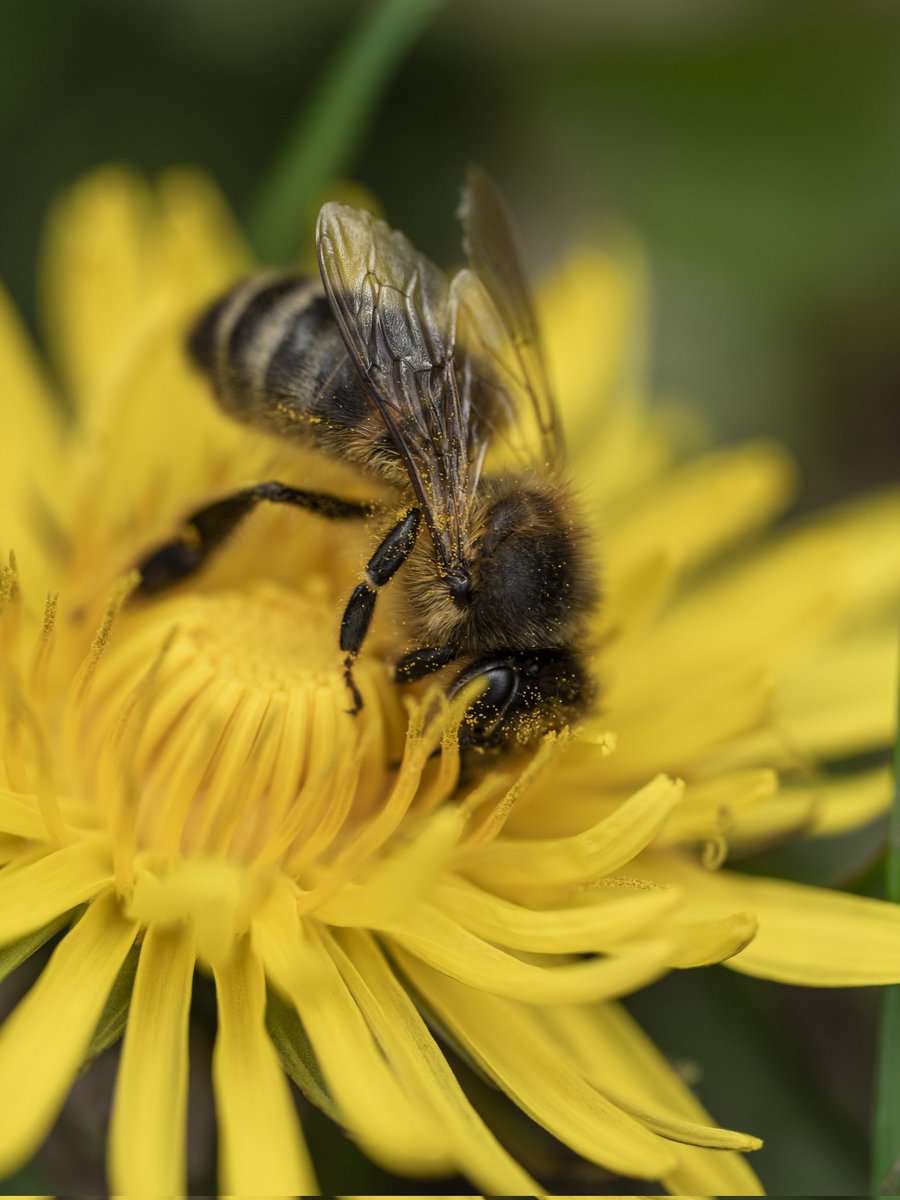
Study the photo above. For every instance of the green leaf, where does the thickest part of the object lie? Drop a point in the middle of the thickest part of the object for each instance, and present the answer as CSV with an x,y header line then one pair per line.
x,y
297,1055
886,1136
326,134
114,1017
17,952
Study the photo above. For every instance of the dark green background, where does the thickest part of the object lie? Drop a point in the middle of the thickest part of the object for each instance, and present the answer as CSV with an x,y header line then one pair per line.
x,y
753,146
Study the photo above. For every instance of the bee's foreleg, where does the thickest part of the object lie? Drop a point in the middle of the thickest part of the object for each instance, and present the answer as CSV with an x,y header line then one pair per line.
x,y
392,552
419,663
205,529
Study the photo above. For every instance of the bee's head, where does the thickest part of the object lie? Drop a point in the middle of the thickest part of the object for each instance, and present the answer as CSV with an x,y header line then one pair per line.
x,y
525,695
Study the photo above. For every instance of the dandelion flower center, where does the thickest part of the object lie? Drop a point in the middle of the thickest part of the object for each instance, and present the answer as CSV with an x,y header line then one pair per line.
x,y
217,727
270,640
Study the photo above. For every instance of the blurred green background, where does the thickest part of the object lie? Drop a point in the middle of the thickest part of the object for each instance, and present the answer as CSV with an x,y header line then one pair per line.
x,y
753,146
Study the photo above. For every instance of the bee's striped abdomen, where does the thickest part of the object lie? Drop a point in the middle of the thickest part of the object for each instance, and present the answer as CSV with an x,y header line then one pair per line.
x,y
276,360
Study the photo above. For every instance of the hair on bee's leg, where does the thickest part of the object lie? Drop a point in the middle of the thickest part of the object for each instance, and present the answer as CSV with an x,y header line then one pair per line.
x,y
206,528
392,552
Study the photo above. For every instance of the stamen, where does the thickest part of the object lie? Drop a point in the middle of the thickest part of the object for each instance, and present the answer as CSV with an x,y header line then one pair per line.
x,y
81,684
10,606
714,853
9,583
552,745
22,716
122,776
44,645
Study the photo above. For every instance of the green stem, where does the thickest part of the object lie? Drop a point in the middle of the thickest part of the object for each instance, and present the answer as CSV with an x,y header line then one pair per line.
x,y
326,134
886,1148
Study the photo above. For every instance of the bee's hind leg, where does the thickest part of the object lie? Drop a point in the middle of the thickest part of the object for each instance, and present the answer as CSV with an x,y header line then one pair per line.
x,y
205,529
392,552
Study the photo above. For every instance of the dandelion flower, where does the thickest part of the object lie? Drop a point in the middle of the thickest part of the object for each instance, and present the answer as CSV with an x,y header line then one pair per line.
x,y
182,787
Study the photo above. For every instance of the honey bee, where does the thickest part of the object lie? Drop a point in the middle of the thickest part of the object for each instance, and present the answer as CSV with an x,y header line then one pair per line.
x,y
386,364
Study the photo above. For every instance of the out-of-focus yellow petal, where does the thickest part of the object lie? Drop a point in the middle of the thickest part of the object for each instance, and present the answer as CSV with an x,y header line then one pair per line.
x,y
595,299
505,865
627,453
32,474
21,815
675,732
841,704
44,1040
700,509
149,1117
444,944
806,935
201,249
96,274
844,702
424,1070
261,1146
376,1109
822,809
495,1031
863,537
612,1051
35,893
114,253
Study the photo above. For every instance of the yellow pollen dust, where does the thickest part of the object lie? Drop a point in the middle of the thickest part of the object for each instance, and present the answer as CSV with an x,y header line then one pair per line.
x,y
216,728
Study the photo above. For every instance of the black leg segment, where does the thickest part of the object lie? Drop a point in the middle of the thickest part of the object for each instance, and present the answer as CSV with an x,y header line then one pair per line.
x,y
420,663
392,552
208,527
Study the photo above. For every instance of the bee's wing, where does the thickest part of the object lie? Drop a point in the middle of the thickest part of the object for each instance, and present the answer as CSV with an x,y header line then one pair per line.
x,y
398,321
511,351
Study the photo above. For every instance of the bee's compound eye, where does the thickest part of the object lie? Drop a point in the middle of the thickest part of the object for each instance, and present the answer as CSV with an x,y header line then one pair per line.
x,y
502,681
502,685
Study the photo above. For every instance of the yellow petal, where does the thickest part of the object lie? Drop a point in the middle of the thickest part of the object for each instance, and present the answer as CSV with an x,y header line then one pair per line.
x,y
705,506
439,941
674,732
505,865
822,809
806,935
718,806
845,702
43,1042
421,1066
767,610
34,894
705,942
149,1117
856,535
31,439
611,916
96,274
398,881
261,1147
21,815
201,248
818,937
841,704
495,1031
376,1109
613,1051
596,299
